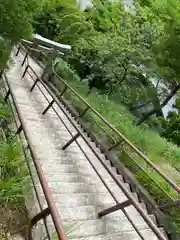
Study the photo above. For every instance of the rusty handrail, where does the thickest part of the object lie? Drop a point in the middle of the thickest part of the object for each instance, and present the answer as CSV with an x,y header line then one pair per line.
x,y
175,186
149,222
44,184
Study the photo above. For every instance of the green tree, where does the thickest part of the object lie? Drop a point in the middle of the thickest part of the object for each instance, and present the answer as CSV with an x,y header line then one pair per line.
x,y
171,126
166,50
15,22
111,60
62,21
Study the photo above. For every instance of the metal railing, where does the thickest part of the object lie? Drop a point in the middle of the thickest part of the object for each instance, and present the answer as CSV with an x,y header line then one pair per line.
x,y
51,207
41,85
121,138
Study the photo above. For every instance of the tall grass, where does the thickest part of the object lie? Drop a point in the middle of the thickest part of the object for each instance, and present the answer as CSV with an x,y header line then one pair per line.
x,y
13,177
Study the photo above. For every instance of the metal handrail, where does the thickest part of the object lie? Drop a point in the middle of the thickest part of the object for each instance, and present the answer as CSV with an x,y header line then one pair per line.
x,y
44,184
123,138
171,183
129,195
25,155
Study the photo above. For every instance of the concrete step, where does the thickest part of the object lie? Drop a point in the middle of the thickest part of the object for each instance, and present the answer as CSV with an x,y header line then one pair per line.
x,y
70,168
116,222
82,199
73,177
89,212
57,169
101,226
61,187
124,235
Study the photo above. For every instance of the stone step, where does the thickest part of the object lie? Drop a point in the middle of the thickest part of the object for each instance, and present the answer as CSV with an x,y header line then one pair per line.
x,y
126,235
82,199
116,222
73,177
61,187
79,168
89,212
101,226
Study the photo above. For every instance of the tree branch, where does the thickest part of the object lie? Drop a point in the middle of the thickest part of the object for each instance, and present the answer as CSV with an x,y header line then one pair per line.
x,y
153,111
140,106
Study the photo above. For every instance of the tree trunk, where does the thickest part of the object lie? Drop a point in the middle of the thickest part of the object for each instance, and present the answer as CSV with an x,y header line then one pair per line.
x,y
145,117
173,92
153,111
139,106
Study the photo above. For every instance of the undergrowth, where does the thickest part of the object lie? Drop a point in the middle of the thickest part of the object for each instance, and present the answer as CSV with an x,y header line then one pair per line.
x,y
13,175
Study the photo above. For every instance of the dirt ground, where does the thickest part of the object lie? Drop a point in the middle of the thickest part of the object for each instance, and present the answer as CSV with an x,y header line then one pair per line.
x,y
12,221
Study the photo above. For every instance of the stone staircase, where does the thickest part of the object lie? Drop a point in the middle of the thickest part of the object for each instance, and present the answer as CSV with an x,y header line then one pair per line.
x,y
77,191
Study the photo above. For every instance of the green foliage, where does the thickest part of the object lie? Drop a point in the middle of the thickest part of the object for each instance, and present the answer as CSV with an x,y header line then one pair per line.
x,y
13,178
15,22
109,44
16,17
166,50
60,20
171,125
13,173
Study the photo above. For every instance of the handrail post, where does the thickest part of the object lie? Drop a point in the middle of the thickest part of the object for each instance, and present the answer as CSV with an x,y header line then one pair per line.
x,y
71,141
48,107
24,59
63,91
19,130
114,208
34,84
7,95
19,48
175,203
115,145
24,73
84,112
41,215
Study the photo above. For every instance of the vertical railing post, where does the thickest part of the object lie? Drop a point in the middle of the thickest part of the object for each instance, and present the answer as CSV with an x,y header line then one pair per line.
x,y
24,73
115,145
19,130
42,215
63,91
48,107
24,59
114,208
71,141
7,95
19,48
84,112
34,84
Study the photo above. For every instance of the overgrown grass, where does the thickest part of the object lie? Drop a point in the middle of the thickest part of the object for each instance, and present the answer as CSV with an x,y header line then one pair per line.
x,y
164,154
13,177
